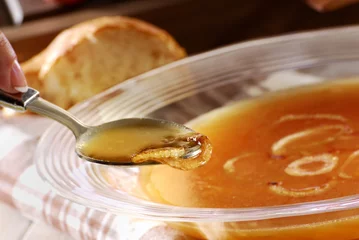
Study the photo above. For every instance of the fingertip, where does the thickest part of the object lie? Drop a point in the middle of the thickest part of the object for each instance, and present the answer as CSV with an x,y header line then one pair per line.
x,y
17,78
22,89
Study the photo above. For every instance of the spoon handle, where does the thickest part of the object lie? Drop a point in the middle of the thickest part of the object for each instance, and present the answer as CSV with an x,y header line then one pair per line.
x,y
31,101
18,101
45,108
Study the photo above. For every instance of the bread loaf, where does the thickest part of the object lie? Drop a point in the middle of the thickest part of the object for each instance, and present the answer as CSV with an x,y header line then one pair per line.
x,y
98,54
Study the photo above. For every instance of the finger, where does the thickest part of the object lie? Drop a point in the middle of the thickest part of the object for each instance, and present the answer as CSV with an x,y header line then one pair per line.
x,y
12,78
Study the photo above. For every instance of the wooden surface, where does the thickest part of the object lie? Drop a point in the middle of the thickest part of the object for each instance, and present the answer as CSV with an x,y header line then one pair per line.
x,y
198,25
14,226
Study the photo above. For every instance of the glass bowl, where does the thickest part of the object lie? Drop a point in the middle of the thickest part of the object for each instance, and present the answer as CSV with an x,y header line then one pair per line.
x,y
189,88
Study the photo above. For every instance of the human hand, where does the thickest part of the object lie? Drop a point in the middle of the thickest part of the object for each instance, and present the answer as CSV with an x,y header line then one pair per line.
x,y
12,79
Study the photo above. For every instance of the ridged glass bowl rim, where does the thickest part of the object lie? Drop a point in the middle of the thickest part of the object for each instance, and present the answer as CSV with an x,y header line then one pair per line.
x,y
156,211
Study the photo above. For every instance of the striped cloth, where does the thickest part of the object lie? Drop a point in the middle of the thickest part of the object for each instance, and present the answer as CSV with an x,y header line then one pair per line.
x,y
22,188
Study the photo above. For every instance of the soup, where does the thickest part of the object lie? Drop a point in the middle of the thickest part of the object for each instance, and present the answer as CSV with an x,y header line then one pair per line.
x,y
289,147
144,141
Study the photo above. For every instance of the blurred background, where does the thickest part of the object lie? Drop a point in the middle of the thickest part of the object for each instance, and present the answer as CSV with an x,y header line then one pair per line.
x,y
198,25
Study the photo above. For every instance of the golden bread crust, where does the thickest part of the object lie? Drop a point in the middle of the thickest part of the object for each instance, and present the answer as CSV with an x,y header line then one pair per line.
x,y
97,54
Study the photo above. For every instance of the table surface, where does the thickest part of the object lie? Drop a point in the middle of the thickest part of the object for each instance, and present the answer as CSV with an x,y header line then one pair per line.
x,y
14,226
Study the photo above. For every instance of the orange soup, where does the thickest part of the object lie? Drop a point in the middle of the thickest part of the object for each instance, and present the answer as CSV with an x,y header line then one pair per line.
x,y
293,146
288,147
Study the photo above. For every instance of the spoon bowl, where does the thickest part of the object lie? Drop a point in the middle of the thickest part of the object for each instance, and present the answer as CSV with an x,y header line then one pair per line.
x,y
138,127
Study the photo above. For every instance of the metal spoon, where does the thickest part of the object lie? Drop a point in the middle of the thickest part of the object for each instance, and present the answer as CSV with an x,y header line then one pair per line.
x,y
32,101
